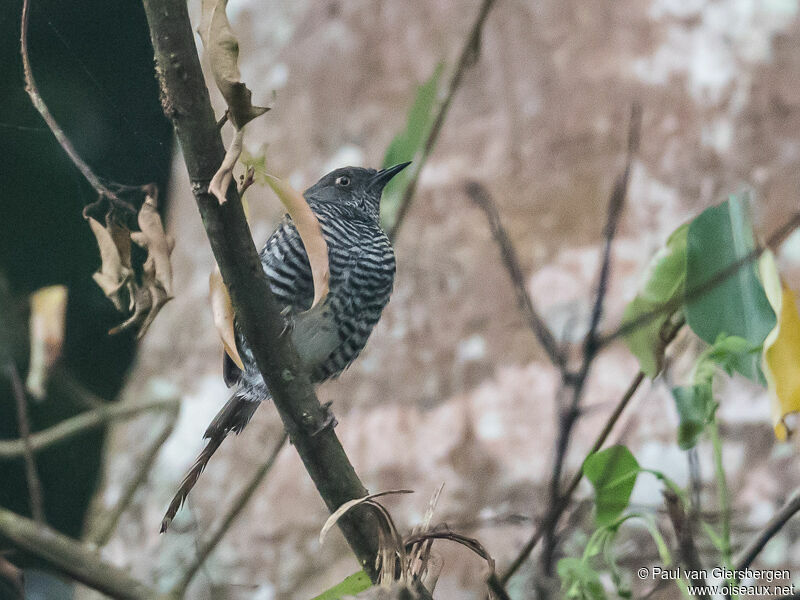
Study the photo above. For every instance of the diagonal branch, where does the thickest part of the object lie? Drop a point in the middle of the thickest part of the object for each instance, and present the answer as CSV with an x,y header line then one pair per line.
x,y
78,424
480,196
466,59
72,558
775,524
186,102
221,526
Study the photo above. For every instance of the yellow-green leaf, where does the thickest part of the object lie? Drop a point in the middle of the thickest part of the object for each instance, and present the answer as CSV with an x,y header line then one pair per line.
x,y
781,355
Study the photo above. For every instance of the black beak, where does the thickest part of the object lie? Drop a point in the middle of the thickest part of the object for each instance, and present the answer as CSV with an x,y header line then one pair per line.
x,y
382,177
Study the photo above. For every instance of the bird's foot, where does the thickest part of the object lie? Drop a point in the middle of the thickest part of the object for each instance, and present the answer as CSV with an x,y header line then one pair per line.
x,y
328,420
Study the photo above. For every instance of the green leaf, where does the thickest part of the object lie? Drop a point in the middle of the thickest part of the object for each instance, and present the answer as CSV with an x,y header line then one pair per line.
x,y
738,306
354,584
613,474
663,281
695,409
407,144
579,581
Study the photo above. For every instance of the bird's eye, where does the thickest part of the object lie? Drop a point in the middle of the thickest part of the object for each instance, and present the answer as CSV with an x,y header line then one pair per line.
x,y
343,181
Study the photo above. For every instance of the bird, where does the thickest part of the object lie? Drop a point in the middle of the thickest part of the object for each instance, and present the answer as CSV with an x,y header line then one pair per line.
x,y
331,335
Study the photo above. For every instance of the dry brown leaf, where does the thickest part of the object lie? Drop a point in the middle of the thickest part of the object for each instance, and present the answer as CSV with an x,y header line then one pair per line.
x,y
223,52
115,268
153,239
310,233
222,312
47,321
348,506
222,178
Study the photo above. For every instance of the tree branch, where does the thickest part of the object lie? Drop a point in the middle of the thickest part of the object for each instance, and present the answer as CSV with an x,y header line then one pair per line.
x,y
683,533
480,196
78,424
186,102
72,558
221,526
466,59
775,524
31,474
102,526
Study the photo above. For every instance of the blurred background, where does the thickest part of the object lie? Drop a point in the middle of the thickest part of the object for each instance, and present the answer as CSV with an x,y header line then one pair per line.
x,y
453,387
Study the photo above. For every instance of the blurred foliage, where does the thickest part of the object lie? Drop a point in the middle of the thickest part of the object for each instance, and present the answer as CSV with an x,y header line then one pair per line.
x,y
94,65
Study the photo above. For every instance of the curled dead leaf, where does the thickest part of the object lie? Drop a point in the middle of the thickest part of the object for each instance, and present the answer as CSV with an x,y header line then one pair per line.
x,y
310,233
222,313
154,239
115,272
47,321
223,52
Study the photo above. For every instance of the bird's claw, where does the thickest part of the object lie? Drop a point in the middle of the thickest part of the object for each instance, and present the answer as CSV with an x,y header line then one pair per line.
x,y
328,422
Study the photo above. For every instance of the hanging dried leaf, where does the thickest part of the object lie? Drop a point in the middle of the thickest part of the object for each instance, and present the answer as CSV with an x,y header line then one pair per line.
x,y
781,353
223,53
115,272
310,233
222,312
47,320
348,506
154,239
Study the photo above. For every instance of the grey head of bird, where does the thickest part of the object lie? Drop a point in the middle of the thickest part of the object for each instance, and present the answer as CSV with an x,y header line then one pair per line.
x,y
355,188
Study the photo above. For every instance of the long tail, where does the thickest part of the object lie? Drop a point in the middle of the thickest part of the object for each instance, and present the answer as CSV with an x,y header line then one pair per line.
x,y
233,417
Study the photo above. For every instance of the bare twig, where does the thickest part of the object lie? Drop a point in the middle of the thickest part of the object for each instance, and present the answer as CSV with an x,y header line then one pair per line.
x,y
221,526
31,474
104,524
38,102
78,424
683,533
480,196
752,550
72,558
468,56
576,381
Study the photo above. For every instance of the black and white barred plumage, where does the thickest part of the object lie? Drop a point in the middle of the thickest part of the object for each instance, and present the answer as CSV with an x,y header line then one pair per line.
x,y
329,337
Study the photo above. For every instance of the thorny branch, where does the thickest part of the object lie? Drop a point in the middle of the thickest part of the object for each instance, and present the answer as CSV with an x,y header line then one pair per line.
x,y
469,54
31,474
221,526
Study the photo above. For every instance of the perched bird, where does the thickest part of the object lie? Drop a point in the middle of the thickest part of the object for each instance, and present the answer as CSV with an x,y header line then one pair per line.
x,y
330,336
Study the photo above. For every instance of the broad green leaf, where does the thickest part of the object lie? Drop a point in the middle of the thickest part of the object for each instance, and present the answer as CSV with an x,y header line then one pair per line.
x,y
693,403
354,584
781,354
613,473
407,144
718,238
663,281
579,581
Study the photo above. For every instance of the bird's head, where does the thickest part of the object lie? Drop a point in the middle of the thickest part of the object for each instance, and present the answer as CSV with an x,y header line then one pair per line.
x,y
354,187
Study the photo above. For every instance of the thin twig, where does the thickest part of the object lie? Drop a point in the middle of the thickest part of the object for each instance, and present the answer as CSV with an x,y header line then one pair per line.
x,y
38,102
83,422
773,241
31,474
218,529
468,56
576,381
481,197
104,524
682,525
775,524
77,560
